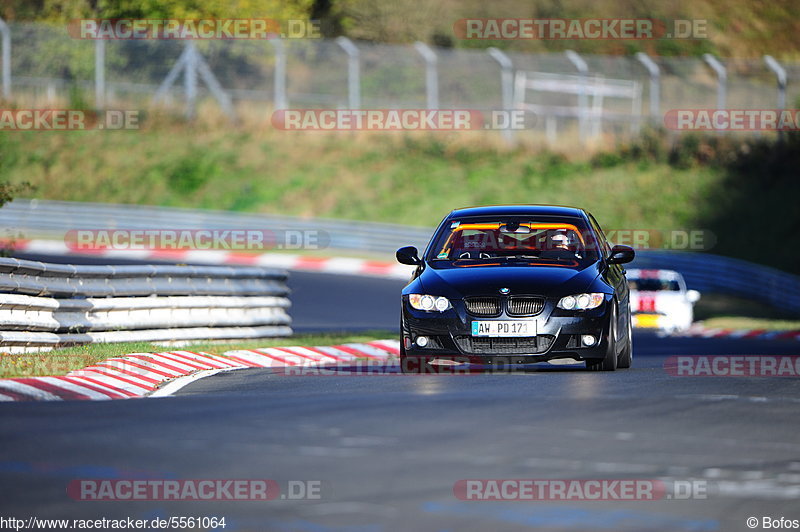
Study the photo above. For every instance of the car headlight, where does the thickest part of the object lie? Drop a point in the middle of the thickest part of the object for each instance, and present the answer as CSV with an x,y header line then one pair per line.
x,y
581,301
429,303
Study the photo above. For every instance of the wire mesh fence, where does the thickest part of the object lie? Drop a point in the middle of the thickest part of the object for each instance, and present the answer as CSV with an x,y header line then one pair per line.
x,y
48,67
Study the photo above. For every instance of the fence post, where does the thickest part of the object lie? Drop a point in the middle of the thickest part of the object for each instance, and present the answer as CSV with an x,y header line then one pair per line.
x,y
583,70
431,76
190,80
722,78
5,36
222,97
100,73
655,84
353,72
172,76
194,67
780,74
280,101
506,84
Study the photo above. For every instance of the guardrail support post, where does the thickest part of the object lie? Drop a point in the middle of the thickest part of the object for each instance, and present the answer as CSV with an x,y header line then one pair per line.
x,y
780,74
506,84
353,72
280,101
431,75
583,70
655,85
5,40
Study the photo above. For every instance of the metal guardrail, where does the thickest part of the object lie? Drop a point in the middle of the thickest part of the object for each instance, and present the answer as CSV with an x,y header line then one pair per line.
x,y
704,272
38,278
47,305
54,217
713,273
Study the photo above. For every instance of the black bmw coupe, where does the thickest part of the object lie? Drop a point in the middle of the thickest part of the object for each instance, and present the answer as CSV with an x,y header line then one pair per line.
x,y
516,284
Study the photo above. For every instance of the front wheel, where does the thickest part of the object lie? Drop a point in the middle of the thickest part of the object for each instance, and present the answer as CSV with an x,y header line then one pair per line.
x,y
609,362
626,357
411,365
414,365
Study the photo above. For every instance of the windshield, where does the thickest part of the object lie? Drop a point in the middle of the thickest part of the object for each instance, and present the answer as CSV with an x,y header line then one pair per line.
x,y
654,285
501,241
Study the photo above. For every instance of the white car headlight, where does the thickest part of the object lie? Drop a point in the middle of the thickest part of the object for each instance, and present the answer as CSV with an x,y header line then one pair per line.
x,y
581,301
441,304
429,303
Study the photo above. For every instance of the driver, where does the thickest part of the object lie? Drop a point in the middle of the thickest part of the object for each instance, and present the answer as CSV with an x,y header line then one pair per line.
x,y
557,247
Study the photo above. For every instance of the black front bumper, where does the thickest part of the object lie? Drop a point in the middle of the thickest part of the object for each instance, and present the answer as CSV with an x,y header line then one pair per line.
x,y
558,335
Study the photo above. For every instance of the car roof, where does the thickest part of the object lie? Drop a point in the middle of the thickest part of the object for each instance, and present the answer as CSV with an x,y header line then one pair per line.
x,y
517,210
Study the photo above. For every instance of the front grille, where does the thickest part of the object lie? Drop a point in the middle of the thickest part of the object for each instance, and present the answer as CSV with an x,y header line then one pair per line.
x,y
504,346
525,305
483,306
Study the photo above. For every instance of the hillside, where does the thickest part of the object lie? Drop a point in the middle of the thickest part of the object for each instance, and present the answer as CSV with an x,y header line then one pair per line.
x,y
741,191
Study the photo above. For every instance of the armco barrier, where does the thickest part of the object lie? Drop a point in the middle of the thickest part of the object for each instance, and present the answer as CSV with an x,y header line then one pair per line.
x,y
47,305
41,217
703,271
712,273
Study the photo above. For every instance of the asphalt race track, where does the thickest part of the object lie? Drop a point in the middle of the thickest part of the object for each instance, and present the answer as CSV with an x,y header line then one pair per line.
x,y
388,449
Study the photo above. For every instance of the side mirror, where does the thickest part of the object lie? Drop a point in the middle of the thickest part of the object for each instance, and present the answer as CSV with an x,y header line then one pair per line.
x,y
692,296
621,254
408,255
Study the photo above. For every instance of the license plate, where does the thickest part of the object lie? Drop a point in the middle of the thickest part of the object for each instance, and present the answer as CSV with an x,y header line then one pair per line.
x,y
504,328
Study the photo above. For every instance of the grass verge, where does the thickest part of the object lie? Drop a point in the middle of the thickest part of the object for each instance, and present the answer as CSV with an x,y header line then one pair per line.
x,y
737,189
728,312
741,323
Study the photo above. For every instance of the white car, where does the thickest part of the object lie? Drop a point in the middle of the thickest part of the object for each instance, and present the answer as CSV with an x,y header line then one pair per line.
x,y
660,300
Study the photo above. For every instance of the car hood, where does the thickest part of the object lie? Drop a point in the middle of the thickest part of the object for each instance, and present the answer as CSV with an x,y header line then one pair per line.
x,y
457,282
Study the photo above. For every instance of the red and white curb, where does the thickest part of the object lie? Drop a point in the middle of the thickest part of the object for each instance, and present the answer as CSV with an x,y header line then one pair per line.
x,y
698,330
337,265
143,374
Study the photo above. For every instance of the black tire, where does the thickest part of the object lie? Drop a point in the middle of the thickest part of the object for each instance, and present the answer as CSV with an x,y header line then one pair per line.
x,y
626,357
413,365
609,362
410,365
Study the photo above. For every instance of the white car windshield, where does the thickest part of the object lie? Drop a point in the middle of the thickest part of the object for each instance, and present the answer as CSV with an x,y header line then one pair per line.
x,y
654,285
